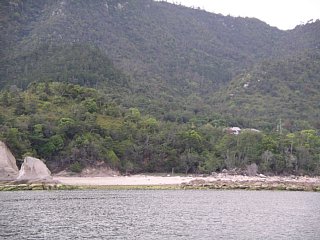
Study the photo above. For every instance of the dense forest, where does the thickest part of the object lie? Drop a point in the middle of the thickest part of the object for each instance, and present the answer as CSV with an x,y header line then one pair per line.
x,y
146,86
70,125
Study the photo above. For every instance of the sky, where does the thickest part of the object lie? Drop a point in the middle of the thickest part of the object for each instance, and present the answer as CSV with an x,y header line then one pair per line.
x,y
284,14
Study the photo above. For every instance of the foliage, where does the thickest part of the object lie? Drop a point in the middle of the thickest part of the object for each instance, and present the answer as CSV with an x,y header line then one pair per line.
x,y
69,134
166,60
76,167
285,89
150,86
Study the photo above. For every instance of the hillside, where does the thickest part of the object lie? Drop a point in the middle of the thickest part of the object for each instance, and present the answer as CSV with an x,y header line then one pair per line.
x,y
156,43
170,52
184,69
73,127
286,89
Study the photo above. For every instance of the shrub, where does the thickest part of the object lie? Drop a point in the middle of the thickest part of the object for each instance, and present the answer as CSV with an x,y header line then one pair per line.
x,y
76,167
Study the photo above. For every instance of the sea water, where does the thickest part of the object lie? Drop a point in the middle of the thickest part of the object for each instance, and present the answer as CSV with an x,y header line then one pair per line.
x,y
157,214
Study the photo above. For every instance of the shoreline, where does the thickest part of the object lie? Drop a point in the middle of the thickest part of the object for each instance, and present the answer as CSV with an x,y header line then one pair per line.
x,y
149,182
219,181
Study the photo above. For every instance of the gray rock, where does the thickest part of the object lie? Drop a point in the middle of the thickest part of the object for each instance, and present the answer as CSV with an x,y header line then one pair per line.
x,y
197,182
34,169
224,171
252,170
214,174
8,166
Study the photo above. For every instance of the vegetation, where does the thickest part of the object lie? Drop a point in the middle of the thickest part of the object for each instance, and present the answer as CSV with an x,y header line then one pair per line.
x,y
150,86
286,89
73,126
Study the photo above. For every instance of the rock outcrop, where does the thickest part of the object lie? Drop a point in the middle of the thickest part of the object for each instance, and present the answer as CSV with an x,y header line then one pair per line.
x,y
34,169
8,166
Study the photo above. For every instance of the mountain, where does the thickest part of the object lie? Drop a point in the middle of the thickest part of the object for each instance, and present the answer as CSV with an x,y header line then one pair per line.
x,y
145,38
280,89
188,69
161,53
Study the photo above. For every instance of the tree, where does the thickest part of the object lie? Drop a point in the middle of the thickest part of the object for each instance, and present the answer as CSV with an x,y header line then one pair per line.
x,y
190,161
192,140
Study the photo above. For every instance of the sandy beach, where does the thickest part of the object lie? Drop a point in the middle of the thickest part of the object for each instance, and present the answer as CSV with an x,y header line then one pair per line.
x,y
219,181
135,180
143,180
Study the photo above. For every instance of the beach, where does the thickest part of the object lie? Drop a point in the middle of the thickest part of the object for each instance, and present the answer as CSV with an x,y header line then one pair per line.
x,y
144,181
218,181
133,180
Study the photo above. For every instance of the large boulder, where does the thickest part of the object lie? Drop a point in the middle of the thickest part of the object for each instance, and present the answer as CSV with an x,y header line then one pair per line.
x,y
8,165
34,169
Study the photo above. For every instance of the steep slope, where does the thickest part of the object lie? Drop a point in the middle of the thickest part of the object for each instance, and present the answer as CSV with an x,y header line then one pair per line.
x,y
78,64
155,42
286,89
303,37
174,61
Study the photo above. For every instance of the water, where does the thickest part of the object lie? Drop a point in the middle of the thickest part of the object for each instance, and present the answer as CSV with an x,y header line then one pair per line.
x,y
159,215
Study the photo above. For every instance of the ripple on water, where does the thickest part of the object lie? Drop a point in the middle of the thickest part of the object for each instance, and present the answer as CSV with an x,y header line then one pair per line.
x,y
159,215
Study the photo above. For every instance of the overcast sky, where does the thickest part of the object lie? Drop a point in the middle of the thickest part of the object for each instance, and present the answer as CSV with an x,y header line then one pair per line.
x,y
284,14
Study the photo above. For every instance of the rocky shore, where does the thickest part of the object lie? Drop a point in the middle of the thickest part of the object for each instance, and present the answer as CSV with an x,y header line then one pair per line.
x,y
34,175
291,183
34,186
218,181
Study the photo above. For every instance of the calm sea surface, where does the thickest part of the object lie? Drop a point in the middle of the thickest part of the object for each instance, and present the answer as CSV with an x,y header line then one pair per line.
x,y
159,215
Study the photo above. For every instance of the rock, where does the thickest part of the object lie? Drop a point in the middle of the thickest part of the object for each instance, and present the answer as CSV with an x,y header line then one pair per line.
x,y
214,174
233,172
34,169
197,182
252,170
261,176
8,166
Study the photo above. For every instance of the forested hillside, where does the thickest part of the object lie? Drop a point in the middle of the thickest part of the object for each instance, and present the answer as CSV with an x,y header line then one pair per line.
x,y
151,86
73,126
285,89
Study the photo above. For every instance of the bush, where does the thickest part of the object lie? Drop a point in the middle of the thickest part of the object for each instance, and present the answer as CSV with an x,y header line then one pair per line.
x,y
76,167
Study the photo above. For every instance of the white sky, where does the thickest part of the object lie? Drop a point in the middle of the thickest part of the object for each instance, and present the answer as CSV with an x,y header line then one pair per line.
x,y
284,14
